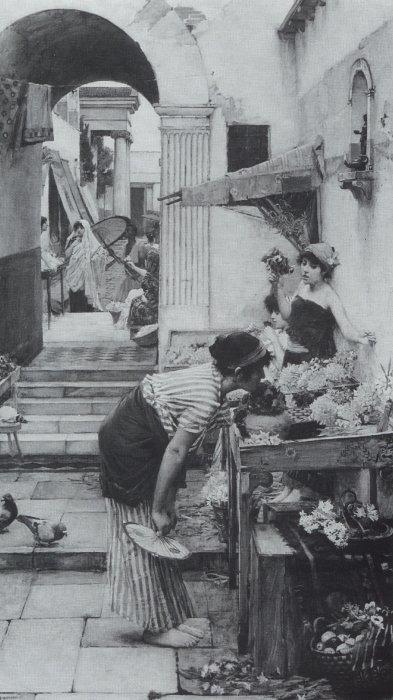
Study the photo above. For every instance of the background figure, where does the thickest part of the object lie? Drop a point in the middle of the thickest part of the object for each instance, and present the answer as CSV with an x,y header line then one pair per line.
x,y
274,337
144,309
85,270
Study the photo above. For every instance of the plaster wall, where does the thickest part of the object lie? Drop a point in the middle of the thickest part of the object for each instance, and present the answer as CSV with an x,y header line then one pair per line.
x,y
66,142
361,232
252,81
338,29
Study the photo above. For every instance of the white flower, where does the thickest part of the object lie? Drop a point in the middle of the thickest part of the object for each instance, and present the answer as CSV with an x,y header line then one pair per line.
x,y
308,522
326,507
213,668
324,410
372,512
262,678
216,690
205,686
204,671
216,488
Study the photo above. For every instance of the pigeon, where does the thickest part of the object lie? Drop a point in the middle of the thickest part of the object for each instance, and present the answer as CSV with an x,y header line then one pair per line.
x,y
45,533
8,512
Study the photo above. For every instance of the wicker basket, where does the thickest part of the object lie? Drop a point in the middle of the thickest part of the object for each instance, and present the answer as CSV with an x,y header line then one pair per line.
x,y
360,682
299,414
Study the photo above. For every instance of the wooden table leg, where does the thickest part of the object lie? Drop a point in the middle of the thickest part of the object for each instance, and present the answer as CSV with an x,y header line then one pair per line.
x,y
17,443
48,300
232,502
62,291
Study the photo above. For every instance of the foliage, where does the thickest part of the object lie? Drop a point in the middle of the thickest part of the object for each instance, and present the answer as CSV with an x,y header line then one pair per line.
x,y
215,491
290,225
7,365
104,169
88,168
194,354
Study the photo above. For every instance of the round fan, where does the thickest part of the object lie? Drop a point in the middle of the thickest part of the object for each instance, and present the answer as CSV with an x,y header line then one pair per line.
x,y
157,546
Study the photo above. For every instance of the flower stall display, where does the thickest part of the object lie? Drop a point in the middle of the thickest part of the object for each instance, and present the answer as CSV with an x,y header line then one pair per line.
x,y
352,522
7,365
215,494
9,375
355,651
194,354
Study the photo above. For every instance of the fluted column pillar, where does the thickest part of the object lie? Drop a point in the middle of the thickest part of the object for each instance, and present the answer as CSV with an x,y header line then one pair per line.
x,y
121,172
185,161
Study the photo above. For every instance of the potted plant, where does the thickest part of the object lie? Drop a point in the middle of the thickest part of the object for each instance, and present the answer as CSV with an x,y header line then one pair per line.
x,y
9,375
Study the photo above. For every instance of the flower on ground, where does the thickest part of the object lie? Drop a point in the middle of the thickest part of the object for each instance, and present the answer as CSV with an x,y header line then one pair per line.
x,y
216,690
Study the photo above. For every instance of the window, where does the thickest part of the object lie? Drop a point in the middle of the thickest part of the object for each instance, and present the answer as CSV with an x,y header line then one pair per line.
x,y
248,144
361,104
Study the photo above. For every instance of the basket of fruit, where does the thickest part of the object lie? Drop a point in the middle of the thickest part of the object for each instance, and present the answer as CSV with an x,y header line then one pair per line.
x,y
355,652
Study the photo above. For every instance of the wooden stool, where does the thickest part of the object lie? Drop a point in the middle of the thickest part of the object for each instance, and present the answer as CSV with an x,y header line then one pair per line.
x,y
11,429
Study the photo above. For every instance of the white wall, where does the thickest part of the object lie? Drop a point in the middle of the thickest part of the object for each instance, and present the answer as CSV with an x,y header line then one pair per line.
x,y
66,142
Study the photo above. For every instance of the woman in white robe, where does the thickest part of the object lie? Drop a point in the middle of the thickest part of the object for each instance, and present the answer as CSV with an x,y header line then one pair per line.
x,y
86,260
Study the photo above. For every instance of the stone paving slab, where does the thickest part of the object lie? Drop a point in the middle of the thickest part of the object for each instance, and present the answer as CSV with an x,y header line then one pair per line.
x,y
121,670
43,508
40,656
14,589
95,696
85,505
64,601
55,578
84,530
18,489
3,629
65,489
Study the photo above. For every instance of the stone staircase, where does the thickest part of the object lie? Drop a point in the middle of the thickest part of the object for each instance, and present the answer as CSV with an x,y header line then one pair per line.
x,y
65,403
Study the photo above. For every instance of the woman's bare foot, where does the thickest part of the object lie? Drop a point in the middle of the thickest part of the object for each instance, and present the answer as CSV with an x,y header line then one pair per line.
x,y
298,494
282,495
175,638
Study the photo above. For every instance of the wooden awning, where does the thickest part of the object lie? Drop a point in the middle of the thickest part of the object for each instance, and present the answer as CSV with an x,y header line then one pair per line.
x,y
299,170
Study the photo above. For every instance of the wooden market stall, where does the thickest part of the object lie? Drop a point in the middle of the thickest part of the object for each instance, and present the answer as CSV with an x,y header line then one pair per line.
x,y
264,557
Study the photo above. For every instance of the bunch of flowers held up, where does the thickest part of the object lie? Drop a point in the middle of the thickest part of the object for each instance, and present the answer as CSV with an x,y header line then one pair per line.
x,y
277,262
336,526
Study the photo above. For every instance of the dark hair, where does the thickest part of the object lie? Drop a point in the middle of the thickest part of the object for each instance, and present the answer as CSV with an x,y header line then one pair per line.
x,y
313,260
271,304
77,224
151,236
44,220
228,350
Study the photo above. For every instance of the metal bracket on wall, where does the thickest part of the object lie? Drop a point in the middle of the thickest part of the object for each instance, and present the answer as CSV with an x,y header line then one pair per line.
x,y
360,183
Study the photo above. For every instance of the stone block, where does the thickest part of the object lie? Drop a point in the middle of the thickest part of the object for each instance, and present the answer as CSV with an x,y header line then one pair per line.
x,y
82,444
93,696
118,670
64,601
40,656
110,632
55,578
84,530
14,589
49,509
224,629
85,505
63,559
43,424
197,593
16,558
3,629
106,606
45,490
18,489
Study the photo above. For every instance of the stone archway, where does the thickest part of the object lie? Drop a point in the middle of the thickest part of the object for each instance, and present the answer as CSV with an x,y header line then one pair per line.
x,y
156,55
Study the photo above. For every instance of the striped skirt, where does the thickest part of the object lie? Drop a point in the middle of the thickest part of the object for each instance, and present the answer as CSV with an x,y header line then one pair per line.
x,y
146,590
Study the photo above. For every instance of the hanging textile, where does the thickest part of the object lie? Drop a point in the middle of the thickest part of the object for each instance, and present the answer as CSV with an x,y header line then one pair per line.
x,y
12,97
38,126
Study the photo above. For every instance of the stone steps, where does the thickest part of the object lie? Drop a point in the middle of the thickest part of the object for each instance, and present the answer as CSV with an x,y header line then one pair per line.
x,y
86,373
54,444
59,390
62,424
75,406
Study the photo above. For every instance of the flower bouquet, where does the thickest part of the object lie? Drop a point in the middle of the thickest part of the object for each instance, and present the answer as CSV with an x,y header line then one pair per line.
x,y
277,262
355,652
352,524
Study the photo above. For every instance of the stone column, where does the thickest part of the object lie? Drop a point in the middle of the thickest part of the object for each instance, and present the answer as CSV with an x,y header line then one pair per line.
x,y
185,160
121,173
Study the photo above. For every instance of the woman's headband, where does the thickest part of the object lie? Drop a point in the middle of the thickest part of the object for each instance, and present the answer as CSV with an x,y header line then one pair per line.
x,y
249,359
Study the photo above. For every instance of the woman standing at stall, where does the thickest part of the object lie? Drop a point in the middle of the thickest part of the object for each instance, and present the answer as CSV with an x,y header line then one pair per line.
x,y
85,268
316,310
312,315
144,443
